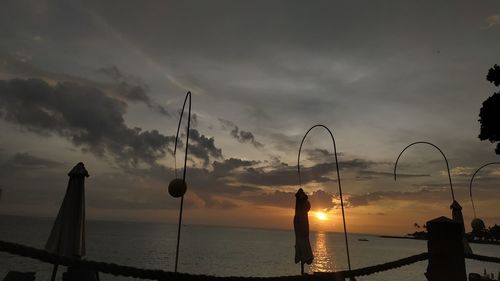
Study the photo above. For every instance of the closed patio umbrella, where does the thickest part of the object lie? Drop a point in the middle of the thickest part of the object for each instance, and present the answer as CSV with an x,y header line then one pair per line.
x,y
67,237
456,214
303,251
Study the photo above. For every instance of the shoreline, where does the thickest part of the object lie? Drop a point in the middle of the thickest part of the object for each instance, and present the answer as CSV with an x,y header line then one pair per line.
x,y
418,238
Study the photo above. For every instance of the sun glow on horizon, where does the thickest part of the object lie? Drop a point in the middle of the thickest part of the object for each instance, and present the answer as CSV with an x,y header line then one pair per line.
x,y
321,216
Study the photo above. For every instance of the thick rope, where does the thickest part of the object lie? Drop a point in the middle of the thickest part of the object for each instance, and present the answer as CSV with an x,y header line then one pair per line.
x,y
129,271
482,258
388,265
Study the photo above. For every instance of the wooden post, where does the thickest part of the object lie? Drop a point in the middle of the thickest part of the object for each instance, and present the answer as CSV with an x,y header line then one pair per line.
x,y
446,251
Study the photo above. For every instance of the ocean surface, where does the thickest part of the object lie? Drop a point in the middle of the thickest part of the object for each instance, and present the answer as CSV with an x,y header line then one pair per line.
x,y
222,251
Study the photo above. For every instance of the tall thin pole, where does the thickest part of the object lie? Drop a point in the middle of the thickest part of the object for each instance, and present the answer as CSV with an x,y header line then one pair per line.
x,y
188,95
338,177
444,156
472,179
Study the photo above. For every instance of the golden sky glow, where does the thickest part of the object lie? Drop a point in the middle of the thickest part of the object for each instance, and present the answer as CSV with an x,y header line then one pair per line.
x,y
110,96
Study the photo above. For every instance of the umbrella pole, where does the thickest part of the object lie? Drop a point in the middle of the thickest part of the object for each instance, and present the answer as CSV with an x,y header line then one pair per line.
x,y
338,180
178,235
301,268
54,272
442,153
188,95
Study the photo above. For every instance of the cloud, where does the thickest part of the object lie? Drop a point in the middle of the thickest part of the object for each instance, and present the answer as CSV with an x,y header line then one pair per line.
x,y
131,88
280,199
240,135
319,199
203,147
460,171
84,115
323,200
282,174
319,154
125,87
27,161
368,175
423,195
229,165
492,21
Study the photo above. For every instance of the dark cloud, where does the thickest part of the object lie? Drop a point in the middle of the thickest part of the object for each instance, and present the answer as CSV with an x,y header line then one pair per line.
x,y
322,200
280,199
27,161
368,175
319,155
122,86
231,164
234,179
203,147
131,88
284,174
429,195
240,135
319,199
194,120
84,115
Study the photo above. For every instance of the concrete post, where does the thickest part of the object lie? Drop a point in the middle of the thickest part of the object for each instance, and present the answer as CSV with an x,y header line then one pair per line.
x,y
446,251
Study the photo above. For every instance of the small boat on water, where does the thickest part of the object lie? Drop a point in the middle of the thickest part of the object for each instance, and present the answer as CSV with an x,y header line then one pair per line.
x,y
363,239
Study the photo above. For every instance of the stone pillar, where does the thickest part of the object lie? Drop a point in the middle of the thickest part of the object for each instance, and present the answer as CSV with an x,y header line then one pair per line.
x,y
446,251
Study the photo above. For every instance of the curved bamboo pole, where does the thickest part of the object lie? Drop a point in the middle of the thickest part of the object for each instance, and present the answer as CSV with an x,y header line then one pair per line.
x,y
444,156
188,95
338,177
472,179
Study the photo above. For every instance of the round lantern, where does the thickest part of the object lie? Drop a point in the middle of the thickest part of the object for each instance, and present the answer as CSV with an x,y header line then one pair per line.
x,y
177,188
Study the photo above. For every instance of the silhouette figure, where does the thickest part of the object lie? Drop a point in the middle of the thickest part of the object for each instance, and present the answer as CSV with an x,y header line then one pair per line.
x,y
303,252
67,237
490,111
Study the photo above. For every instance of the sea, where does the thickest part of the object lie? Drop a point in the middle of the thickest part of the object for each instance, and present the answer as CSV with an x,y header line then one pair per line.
x,y
222,251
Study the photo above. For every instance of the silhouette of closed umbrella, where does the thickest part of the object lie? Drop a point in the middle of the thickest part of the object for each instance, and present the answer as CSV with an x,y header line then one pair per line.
x,y
456,214
303,252
67,237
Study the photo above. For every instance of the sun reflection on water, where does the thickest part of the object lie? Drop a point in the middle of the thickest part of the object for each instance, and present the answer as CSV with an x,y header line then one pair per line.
x,y
322,259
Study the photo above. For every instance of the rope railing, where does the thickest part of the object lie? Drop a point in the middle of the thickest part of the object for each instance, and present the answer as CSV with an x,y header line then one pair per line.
x,y
482,258
156,274
380,267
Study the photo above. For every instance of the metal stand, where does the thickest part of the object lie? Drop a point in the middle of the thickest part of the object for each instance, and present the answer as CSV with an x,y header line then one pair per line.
x,y
188,95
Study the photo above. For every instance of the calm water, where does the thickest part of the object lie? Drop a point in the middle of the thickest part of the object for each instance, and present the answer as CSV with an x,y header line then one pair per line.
x,y
221,251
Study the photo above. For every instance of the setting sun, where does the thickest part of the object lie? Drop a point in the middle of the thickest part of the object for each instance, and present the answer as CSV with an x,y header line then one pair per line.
x,y
321,216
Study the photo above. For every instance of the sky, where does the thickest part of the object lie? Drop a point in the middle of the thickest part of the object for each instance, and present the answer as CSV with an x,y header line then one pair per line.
x,y
103,82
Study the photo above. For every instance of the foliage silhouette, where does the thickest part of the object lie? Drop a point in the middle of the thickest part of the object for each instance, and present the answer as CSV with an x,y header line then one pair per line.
x,y
490,111
494,75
